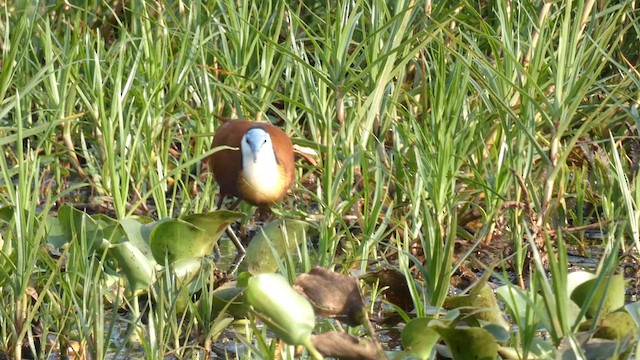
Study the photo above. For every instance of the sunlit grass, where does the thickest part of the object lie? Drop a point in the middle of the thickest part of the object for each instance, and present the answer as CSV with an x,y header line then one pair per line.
x,y
442,129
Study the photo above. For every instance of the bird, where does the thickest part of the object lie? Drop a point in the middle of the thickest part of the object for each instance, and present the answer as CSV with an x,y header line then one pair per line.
x,y
259,170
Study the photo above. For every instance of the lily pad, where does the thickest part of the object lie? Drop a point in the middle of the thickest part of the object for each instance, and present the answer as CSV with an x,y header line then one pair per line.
x,y
55,234
190,237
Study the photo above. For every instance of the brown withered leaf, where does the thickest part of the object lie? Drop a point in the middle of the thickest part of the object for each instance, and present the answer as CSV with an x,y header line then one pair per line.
x,y
333,294
344,346
397,291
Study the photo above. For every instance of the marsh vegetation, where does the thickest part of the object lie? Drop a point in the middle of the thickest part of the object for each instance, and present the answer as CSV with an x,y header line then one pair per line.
x,y
454,150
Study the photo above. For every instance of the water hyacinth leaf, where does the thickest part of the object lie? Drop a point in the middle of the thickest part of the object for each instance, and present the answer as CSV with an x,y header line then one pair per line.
x,y
287,313
593,348
190,237
135,266
499,333
186,270
542,349
134,232
6,214
243,279
178,239
419,338
277,237
77,224
213,223
341,345
469,343
538,349
634,311
333,294
479,304
56,236
521,303
229,300
577,278
610,293
618,325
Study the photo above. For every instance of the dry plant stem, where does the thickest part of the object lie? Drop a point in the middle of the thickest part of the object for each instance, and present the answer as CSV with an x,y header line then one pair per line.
x,y
548,184
586,14
536,33
66,137
533,225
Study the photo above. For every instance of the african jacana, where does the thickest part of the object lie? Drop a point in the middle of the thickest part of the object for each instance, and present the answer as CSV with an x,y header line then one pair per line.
x,y
261,171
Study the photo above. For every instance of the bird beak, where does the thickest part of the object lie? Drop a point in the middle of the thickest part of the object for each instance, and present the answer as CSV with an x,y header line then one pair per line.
x,y
255,150
254,153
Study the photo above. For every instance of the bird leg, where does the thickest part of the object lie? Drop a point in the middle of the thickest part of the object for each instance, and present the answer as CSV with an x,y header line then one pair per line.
x,y
229,231
235,240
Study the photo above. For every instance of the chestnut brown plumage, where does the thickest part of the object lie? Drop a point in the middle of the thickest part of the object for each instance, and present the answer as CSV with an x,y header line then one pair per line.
x,y
261,171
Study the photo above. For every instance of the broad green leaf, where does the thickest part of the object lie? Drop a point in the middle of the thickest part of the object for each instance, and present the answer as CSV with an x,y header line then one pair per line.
x,y
469,343
539,349
519,302
277,237
499,333
213,223
287,313
634,311
55,234
610,292
617,325
192,236
134,231
185,270
178,239
76,224
229,300
419,338
577,278
6,214
138,270
593,348
479,304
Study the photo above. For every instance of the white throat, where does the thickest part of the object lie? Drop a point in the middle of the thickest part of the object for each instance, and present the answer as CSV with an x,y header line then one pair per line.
x,y
259,164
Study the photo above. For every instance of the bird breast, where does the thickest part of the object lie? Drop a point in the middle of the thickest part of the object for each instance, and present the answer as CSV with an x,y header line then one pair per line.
x,y
261,183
